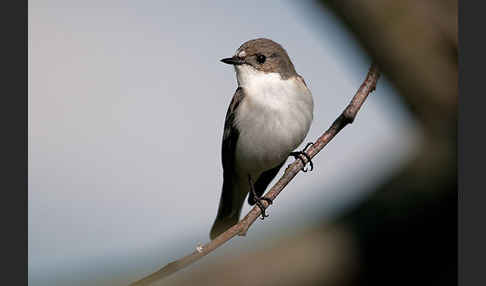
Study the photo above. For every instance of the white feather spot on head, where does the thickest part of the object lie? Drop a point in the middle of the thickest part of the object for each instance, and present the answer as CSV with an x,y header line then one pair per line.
x,y
242,54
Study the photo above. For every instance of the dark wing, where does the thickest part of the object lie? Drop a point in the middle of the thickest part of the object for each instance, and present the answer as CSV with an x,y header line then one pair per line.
x,y
230,137
262,183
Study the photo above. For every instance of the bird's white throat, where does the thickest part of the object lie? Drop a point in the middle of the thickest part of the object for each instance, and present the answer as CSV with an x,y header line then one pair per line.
x,y
247,76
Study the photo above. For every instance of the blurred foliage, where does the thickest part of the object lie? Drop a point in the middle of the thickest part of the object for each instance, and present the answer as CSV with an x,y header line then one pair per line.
x,y
415,44
406,232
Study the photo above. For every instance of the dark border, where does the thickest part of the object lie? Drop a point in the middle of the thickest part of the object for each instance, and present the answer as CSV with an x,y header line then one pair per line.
x,y
14,22
471,195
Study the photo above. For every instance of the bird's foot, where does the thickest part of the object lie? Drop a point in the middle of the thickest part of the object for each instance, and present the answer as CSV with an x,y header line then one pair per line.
x,y
297,155
260,205
259,199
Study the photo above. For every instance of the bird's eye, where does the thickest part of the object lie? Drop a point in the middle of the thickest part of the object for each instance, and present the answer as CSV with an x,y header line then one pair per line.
x,y
261,59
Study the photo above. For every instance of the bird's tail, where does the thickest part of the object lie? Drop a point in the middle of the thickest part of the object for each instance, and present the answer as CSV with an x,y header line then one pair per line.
x,y
230,205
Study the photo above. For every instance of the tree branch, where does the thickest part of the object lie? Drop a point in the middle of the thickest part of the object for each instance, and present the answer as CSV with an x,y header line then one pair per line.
x,y
346,117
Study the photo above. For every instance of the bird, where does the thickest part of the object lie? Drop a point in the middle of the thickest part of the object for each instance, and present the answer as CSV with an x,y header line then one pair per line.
x,y
268,117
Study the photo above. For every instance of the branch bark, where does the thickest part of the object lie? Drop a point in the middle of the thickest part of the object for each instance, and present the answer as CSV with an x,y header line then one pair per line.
x,y
346,117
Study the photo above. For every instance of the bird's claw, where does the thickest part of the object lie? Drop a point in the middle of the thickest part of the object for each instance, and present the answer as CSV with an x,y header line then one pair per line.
x,y
297,155
260,205
259,199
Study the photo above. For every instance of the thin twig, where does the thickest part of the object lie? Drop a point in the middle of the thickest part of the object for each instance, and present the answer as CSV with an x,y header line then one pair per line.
x,y
346,117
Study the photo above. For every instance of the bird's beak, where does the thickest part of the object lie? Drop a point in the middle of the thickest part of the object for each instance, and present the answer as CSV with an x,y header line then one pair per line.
x,y
233,61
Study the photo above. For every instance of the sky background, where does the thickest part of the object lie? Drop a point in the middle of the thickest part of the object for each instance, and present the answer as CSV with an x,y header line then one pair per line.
x,y
127,101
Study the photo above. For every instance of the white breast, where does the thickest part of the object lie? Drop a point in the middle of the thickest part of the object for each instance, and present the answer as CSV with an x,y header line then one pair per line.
x,y
273,119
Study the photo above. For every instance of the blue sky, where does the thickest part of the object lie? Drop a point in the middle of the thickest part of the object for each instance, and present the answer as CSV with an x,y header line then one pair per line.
x,y
126,109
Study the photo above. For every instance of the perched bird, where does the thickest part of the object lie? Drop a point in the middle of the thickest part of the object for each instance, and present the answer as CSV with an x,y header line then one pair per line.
x,y
268,117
